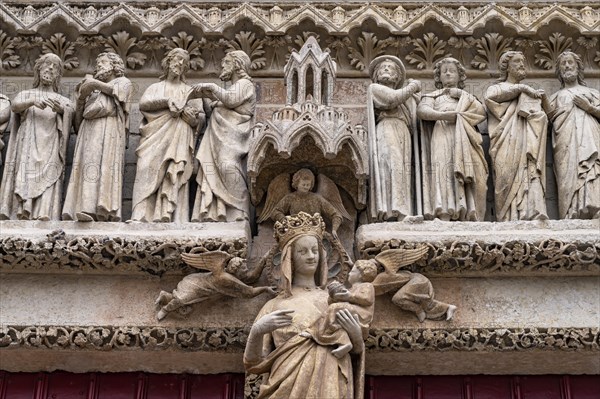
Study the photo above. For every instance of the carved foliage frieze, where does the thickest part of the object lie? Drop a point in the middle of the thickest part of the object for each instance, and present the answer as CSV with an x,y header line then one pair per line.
x,y
355,34
233,339
451,258
61,252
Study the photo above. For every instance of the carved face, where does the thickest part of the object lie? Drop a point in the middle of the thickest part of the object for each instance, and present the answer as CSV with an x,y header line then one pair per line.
x,y
387,73
304,185
104,69
177,64
516,67
49,73
449,75
228,67
568,68
305,255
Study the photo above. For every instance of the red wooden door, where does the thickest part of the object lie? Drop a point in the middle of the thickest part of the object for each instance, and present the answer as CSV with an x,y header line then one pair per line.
x,y
61,385
484,387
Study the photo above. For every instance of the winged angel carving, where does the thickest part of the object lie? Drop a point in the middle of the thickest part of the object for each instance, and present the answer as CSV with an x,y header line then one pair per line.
x,y
227,276
281,201
414,292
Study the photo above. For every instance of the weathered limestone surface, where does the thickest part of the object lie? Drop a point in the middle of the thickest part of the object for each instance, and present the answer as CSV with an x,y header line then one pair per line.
x,y
114,248
569,247
503,325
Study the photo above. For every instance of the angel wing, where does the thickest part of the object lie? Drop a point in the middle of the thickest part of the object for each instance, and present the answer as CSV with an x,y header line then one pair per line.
x,y
278,188
211,261
329,190
393,259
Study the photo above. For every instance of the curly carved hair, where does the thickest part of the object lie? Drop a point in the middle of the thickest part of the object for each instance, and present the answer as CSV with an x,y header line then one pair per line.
x,y
117,63
167,60
580,68
437,69
241,63
303,174
368,269
503,64
43,59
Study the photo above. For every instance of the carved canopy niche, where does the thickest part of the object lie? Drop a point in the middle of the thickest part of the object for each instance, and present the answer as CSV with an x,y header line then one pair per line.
x,y
309,132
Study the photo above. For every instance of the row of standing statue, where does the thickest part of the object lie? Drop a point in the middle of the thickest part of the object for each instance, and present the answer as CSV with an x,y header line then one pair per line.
x,y
454,168
173,115
452,179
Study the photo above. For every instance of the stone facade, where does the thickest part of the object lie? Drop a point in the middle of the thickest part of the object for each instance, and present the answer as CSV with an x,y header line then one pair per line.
x,y
80,297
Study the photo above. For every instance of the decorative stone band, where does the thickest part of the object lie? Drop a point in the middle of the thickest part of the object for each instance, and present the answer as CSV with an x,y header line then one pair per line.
x,y
233,339
216,17
266,32
113,247
566,247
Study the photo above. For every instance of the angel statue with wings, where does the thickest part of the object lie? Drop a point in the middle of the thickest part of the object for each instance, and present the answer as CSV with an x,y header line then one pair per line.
x,y
326,201
227,276
414,291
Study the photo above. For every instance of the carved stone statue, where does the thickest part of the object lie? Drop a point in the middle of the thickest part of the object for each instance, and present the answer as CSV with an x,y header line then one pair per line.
x,y
414,291
575,113
280,342
222,188
103,102
165,155
359,299
454,167
517,125
392,117
4,119
227,277
281,202
35,159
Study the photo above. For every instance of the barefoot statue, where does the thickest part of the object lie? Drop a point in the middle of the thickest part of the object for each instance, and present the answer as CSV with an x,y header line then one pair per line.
x,y
392,116
222,194
165,156
101,120
228,276
36,155
413,291
455,171
575,114
517,125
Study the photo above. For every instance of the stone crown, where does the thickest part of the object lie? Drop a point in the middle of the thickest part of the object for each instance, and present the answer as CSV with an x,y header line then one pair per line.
x,y
297,225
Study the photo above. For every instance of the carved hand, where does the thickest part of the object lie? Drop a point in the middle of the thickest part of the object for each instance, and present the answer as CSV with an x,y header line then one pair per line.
x,y
582,103
40,104
530,91
415,85
174,109
349,322
272,321
341,296
55,105
189,116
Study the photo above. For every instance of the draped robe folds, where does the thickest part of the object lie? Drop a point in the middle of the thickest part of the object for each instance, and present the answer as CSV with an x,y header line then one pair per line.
x,y
35,160
222,188
413,292
4,103
165,159
576,143
390,145
96,181
454,167
518,152
297,366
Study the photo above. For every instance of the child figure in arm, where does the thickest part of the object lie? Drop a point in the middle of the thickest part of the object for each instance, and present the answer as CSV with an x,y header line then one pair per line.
x,y
359,299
